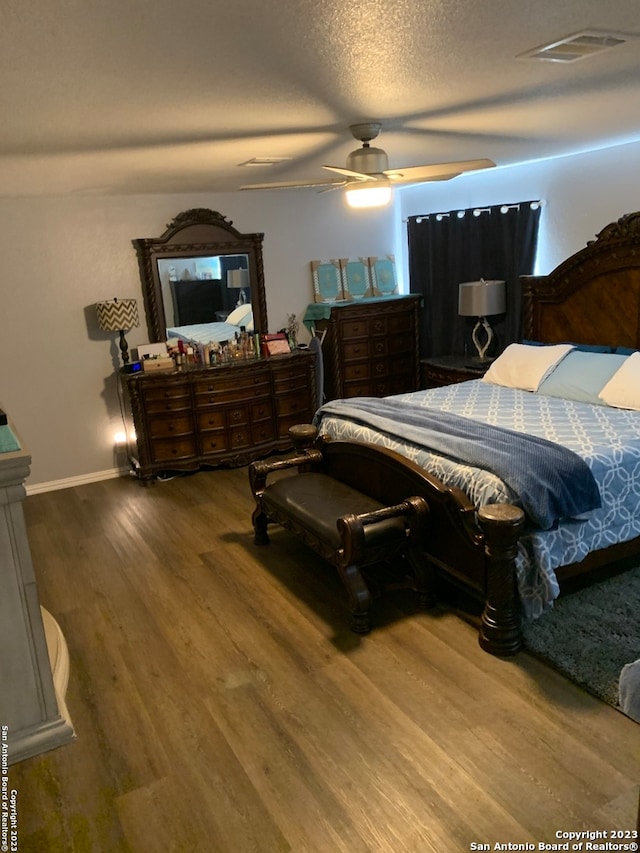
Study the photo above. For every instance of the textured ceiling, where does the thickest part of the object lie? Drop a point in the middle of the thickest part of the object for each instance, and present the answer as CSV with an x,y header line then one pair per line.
x,y
139,96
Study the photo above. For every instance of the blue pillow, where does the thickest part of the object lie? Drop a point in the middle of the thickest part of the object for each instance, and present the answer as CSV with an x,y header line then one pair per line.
x,y
625,350
580,376
580,347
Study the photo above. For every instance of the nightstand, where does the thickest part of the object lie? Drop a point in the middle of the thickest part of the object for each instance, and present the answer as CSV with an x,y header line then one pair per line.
x,y
449,369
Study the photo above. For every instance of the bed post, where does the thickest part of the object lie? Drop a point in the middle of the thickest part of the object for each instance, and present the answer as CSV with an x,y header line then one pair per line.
x,y
500,631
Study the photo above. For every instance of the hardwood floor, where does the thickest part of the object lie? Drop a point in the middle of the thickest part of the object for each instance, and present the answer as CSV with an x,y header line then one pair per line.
x,y
222,704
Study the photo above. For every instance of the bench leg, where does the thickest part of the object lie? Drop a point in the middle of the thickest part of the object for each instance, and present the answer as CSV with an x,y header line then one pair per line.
x,y
359,598
260,535
425,578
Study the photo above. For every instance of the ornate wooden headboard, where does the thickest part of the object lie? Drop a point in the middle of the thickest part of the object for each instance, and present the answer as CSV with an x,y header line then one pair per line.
x,y
594,296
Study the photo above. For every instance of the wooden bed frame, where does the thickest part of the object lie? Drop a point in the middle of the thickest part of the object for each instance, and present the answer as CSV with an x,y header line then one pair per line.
x,y
591,298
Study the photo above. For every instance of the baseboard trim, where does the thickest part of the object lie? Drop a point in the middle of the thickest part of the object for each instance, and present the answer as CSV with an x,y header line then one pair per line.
x,y
81,480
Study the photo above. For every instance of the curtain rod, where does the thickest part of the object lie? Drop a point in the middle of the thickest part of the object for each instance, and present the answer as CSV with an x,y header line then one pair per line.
x,y
476,211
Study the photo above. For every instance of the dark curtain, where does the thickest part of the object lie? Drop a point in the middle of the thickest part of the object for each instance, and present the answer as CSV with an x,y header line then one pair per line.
x,y
446,249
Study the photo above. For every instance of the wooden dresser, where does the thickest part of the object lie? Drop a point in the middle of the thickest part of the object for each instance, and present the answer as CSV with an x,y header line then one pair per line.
x,y
371,347
34,660
225,415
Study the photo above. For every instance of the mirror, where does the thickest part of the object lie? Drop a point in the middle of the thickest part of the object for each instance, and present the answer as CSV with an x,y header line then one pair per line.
x,y
198,272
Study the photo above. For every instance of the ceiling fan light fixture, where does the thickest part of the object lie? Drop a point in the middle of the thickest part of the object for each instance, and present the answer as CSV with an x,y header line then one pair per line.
x,y
368,194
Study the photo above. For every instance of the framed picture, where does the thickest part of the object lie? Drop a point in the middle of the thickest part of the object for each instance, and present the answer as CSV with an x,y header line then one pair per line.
x,y
356,282
327,281
383,275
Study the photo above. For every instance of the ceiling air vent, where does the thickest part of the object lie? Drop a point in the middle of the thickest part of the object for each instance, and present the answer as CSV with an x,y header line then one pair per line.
x,y
577,46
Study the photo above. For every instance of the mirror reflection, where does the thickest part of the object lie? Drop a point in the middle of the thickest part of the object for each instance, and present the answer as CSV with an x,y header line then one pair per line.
x,y
203,290
202,280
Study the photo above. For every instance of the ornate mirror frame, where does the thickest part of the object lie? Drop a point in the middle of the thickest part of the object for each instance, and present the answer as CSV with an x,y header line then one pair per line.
x,y
197,233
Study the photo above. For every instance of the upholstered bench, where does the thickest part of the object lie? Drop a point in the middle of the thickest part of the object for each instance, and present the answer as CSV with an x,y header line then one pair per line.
x,y
348,502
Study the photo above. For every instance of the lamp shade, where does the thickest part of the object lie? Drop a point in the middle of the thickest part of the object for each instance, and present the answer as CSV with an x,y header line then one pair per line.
x,y
118,315
481,298
238,278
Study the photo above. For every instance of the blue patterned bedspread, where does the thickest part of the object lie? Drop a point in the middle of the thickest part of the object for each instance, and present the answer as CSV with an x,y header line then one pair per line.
x,y
607,439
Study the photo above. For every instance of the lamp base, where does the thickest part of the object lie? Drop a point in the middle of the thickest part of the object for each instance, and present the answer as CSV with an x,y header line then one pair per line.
x,y
124,348
482,326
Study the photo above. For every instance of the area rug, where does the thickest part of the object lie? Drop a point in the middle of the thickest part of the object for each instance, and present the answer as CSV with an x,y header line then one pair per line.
x,y
591,634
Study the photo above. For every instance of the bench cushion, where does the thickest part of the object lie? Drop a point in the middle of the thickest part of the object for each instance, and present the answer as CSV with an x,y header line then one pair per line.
x,y
316,501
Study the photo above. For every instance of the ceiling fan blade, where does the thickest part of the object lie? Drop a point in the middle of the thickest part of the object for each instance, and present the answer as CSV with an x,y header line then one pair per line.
x,y
436,172
359,176
290,185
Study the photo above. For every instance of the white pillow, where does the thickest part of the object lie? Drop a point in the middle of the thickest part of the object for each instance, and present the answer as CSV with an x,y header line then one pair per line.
x,y
522,366
622,391
238,314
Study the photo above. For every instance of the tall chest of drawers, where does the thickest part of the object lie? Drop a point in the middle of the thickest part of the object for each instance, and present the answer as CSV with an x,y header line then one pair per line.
x,y
371,348
225,415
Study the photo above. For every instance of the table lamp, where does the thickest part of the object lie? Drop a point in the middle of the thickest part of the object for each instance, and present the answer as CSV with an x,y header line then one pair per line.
x,y
238,279
118,315
481,299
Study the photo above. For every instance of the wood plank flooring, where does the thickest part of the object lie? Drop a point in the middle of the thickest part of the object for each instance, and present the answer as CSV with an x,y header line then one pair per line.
x,y
222,705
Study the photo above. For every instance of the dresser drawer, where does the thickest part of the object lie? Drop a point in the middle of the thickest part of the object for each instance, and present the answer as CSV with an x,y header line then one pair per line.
x,y
402,343
213,442
358,388
292,383
168,398
237,415
286,372
355,350
230,395
154,393
400,322
380,368
263,431
165,451
240,437
211,419
358,327
261,411
239,381
357,370
293,403
379,325
163,427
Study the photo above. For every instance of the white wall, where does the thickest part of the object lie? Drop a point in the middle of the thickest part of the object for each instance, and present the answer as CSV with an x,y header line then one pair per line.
x,y
60,256
582,194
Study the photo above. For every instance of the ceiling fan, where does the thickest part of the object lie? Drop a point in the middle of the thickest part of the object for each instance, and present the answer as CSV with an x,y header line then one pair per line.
x,y
367,177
